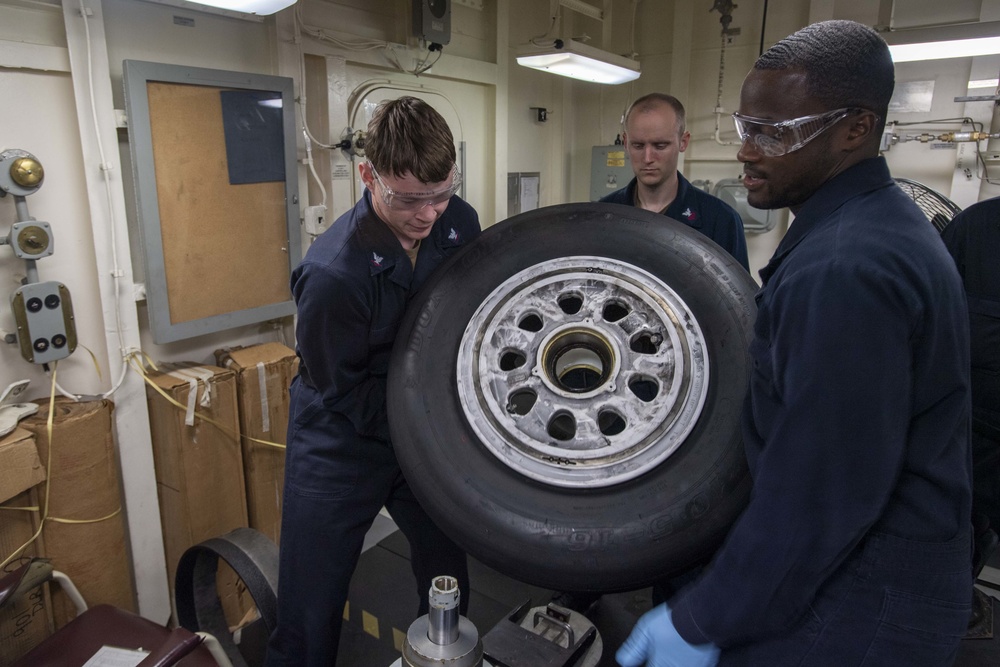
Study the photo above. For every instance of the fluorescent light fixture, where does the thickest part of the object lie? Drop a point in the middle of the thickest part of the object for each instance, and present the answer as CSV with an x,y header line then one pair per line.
x,y
259,7
939,42
984,83
964,48
579,61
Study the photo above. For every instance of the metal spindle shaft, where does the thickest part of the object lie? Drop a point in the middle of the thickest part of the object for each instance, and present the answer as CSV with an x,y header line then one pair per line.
x,y
443,614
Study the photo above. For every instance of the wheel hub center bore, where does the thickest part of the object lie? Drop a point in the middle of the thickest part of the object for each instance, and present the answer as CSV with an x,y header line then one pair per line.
x,y
577,360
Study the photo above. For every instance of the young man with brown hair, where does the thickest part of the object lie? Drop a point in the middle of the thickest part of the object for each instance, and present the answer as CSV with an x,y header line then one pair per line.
x,y
351,291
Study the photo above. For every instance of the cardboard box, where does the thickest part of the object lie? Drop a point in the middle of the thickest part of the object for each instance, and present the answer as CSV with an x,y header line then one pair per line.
x,y
20,467
263,375
25,622
85,490
199,464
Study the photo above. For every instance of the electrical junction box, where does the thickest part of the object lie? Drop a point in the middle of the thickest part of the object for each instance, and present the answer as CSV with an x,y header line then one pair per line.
x,y
432,20
46,330
31,239
610,170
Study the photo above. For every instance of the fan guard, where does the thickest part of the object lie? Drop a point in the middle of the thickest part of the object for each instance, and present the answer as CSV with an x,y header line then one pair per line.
x,y
938,208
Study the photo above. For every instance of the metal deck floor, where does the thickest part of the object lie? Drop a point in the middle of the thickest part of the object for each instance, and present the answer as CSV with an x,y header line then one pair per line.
x,y
382,603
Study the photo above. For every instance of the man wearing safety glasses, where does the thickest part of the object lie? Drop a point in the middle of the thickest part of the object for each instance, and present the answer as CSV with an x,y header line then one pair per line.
x,y
855,546
350,292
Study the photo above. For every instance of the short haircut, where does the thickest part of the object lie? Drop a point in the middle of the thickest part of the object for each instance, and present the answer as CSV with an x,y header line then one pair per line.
x,y
847,64
407,135
653,100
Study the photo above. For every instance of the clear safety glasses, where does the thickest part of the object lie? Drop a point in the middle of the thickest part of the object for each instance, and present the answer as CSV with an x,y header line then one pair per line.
x,y
414,201
774,138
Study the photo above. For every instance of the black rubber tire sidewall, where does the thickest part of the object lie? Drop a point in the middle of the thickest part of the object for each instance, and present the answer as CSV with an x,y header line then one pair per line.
x,y
620,537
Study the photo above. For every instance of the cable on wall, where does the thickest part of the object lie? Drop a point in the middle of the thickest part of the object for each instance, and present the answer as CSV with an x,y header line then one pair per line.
x,y
106,168
389,50
763,24
718,99
630,90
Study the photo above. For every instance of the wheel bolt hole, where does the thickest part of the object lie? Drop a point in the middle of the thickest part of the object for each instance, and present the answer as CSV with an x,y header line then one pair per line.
x,y
521,402
615,311
644,388
530,322
571,303
646,343
511,359
562,426
610,422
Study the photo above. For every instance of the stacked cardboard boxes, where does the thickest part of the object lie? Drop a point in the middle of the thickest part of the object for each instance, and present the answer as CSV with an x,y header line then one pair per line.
x,y
84,532
70,474
263,374
199,465
25,622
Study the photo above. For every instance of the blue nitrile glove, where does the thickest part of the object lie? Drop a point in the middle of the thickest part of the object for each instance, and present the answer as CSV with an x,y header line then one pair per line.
x,y
655,642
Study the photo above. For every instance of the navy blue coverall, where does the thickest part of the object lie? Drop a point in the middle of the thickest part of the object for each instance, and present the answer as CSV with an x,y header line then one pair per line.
x,y
855,548
351,291
973,239
701,211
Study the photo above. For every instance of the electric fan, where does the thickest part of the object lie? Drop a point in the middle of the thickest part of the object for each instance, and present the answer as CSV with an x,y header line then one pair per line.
x,y
938,208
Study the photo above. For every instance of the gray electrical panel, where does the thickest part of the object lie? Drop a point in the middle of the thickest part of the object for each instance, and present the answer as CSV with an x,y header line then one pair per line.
x,y
432,20
46,329
523,192
610,169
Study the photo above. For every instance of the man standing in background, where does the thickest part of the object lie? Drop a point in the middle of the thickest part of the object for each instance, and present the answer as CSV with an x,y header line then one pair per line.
x,y
973,239
655,136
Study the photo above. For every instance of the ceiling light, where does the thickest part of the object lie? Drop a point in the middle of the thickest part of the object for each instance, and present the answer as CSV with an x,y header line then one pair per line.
x,y
964,48
984,83
939,42
259,7
579,61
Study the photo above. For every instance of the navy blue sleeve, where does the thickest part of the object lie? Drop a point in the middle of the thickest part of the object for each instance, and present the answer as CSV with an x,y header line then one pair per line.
x,y
973,239
333,336
827,387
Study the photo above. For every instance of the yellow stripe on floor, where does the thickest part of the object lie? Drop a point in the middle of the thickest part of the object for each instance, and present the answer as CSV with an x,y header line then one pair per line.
x,y
370,624
347,610
398,637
